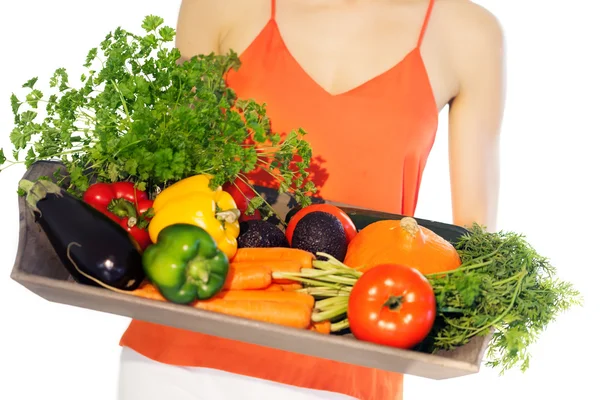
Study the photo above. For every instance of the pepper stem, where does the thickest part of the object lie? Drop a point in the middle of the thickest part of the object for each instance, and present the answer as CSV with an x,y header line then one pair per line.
x,y
124,209
229,216
198,270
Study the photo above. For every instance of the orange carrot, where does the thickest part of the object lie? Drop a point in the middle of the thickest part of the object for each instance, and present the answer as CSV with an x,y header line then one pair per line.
x,y
305,258
274,265
264,295
290,287
248,278
295,315
293,266
321,327
274,287
148,291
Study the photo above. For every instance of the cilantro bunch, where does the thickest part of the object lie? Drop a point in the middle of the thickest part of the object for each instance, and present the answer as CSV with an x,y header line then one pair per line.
x,y
140,114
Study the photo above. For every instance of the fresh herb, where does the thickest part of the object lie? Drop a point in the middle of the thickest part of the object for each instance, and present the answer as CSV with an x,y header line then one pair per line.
x,y
503,288
140,114
505,285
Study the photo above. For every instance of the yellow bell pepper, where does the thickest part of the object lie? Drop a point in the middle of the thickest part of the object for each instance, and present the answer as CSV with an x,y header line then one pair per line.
x,y
192,201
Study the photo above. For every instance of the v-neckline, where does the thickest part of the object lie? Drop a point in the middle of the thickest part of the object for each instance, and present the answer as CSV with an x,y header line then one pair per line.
x,y
272,24
381,75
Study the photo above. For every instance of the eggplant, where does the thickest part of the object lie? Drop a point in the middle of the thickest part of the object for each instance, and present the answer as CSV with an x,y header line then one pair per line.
x,y
93,248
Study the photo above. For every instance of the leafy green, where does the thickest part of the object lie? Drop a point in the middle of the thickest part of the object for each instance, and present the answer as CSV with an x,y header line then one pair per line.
x,y
140,114
503,288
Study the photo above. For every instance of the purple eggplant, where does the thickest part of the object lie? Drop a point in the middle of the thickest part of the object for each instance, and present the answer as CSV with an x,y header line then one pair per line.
x,y
93,248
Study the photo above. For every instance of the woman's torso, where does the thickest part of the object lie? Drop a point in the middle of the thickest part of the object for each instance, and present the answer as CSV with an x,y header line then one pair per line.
x,y
370,110
363,88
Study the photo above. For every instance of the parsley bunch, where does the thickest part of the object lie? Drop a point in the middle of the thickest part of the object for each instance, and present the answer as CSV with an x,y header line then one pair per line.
x,y
140,114
503,286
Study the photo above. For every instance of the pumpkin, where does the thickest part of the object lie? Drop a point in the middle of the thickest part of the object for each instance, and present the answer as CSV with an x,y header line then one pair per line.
x,y
402,242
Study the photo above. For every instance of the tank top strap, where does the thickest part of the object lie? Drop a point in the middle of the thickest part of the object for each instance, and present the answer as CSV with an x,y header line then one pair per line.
x,y
273,9
425,22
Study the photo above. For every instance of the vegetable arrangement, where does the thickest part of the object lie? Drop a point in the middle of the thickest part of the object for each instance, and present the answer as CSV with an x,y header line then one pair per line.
x,y
501,286
155,203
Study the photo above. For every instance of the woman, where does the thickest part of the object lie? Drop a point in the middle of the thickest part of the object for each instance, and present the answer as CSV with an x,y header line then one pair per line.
x,y
366,80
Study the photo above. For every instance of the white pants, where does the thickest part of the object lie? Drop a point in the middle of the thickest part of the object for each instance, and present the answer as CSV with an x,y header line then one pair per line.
x,y
141,378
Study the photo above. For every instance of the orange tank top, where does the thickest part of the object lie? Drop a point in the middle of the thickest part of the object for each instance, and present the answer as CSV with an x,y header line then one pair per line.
x,y
370,145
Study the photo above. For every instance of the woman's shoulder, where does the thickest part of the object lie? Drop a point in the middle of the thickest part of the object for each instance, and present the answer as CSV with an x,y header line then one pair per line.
x,y
466,16
469,33
202,24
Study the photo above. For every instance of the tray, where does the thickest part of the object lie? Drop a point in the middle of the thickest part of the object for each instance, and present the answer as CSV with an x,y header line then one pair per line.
x,y
38,268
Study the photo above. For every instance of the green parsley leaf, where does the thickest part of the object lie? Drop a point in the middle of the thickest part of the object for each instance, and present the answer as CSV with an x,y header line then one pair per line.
x,y
30,83
139,114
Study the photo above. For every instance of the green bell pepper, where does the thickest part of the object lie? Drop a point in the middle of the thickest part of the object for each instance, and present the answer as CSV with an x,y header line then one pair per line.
x,y
185,264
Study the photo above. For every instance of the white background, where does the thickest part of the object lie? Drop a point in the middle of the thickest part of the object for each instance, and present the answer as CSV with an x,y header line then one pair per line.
x,y
549,182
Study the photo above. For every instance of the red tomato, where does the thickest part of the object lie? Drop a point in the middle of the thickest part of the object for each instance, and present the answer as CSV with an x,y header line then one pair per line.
x,y
392,305
346,221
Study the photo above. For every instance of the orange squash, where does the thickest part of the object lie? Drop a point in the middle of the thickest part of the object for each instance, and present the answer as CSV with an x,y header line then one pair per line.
x,y
402,242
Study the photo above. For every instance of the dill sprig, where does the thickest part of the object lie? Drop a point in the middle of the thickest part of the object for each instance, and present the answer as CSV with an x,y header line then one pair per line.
x,y
504,288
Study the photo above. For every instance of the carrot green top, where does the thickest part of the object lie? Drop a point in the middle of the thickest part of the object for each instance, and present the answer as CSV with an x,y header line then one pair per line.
x,y
370,145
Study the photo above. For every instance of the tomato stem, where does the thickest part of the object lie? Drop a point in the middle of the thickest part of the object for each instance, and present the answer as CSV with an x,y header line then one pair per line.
x,y
394,302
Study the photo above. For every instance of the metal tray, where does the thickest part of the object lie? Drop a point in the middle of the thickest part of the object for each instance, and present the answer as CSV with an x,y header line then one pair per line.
x,y
38,268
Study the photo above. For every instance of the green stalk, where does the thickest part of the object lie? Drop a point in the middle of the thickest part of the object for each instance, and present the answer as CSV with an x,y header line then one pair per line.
x,y
328,276
476,331
325,292
332,301
459,269
340,326
306,278
329,314
313,282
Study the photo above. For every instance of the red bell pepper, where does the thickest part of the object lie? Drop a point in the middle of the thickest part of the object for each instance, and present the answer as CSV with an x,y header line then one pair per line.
x,y
242,193
124,204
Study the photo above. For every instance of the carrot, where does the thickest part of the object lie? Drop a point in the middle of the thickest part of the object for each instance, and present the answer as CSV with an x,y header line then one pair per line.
x,y
274,254
275,266
264,295
295,315
323,327
274,287
290,287
148,291
247,278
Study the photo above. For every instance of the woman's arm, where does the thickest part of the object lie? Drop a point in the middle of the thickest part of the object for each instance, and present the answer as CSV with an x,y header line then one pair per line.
x,y
475,119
